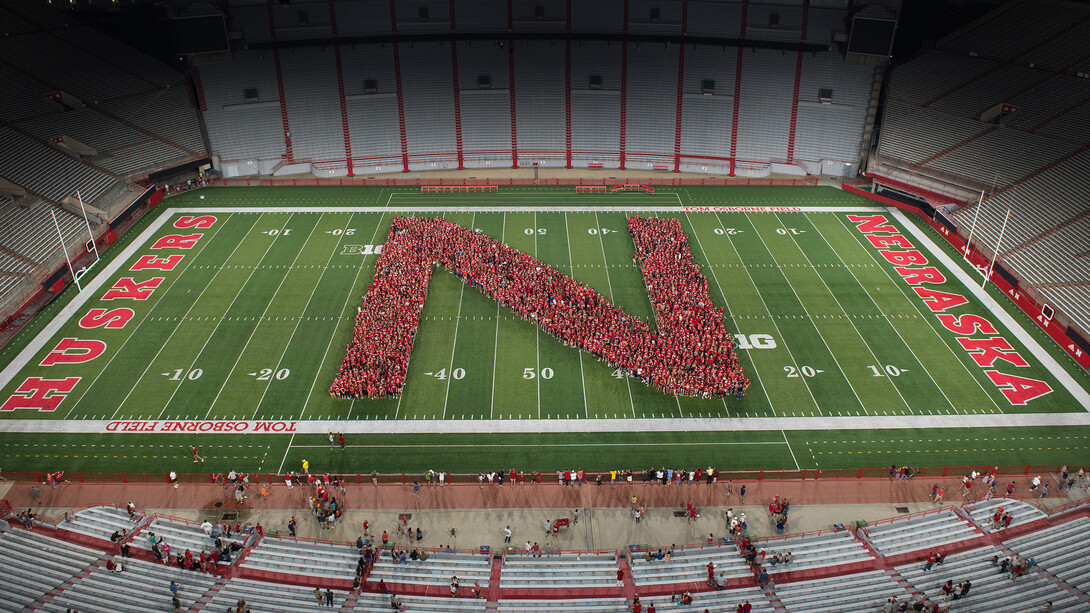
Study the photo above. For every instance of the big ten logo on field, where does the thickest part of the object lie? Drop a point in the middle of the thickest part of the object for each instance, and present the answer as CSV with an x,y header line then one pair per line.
x,y
361,249
46,394
755,341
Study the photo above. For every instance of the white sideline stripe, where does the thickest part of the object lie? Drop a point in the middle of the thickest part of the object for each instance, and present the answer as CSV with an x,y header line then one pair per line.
x,y
1046,359
687,424
530,209
89,291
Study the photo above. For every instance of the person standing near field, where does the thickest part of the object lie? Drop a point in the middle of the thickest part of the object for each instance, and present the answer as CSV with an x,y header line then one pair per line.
x,y
196,456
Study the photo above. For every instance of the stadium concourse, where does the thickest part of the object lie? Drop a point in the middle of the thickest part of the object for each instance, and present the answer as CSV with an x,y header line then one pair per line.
x,y
849,546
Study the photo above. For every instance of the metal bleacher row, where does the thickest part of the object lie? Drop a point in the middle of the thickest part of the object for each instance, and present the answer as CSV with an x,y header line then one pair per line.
x,y
1033,160
248,132
54,575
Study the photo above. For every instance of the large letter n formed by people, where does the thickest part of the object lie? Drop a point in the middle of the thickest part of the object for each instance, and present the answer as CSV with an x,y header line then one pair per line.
x,y
690,353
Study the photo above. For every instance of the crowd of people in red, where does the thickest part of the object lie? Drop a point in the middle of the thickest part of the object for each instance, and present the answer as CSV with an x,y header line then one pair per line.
x,y
691,354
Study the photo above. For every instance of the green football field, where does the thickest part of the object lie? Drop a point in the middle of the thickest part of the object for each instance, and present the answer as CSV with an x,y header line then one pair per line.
x,y
249,325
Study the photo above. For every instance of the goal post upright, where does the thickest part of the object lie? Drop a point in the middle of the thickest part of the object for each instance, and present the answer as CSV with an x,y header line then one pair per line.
x,y
969,241
87,222
998,243
60,237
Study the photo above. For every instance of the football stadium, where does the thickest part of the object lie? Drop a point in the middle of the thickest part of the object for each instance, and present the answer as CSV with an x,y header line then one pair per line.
x,y
524,305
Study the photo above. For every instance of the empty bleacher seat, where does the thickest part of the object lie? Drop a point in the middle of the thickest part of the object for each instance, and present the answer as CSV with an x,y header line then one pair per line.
x,y
814,551
34,564
180,536
858,592
1060,550
582,570
141,587
981,512
379,603
991,591
268,597
436,570
314,558
690,565
918,532
101,522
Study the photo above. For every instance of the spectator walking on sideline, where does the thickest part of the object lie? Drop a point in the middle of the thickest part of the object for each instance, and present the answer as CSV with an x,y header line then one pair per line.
x,y
507,534
36,494
291,525
196,456
331,440
340,439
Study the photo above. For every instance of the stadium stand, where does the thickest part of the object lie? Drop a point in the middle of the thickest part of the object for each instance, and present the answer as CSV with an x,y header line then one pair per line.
x,y
992,590
914,533
981,513
104,591
586,570
34,563
28,230
1000,106
810,551
378,603
564,105
324,560
269,597
689,565
101,522
724,600
1060,550
858,592
589,605
179,534
436,570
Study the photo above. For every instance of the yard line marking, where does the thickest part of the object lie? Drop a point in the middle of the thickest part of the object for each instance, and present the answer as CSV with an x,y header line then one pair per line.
x,y
516,445
805,310
537,334
609,284
790,449
299,321
217,327
920,308
771,318
898,332
543,209
268,305
158,301
571,271
843,310
496,347
1050,364
704,253
181,321
332,336
454,345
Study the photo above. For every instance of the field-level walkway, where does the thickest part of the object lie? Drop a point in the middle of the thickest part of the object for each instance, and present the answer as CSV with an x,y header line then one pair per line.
x,y
479,513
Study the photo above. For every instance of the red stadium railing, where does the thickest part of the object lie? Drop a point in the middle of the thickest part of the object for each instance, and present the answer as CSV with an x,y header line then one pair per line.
x,y
419,181
738,476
